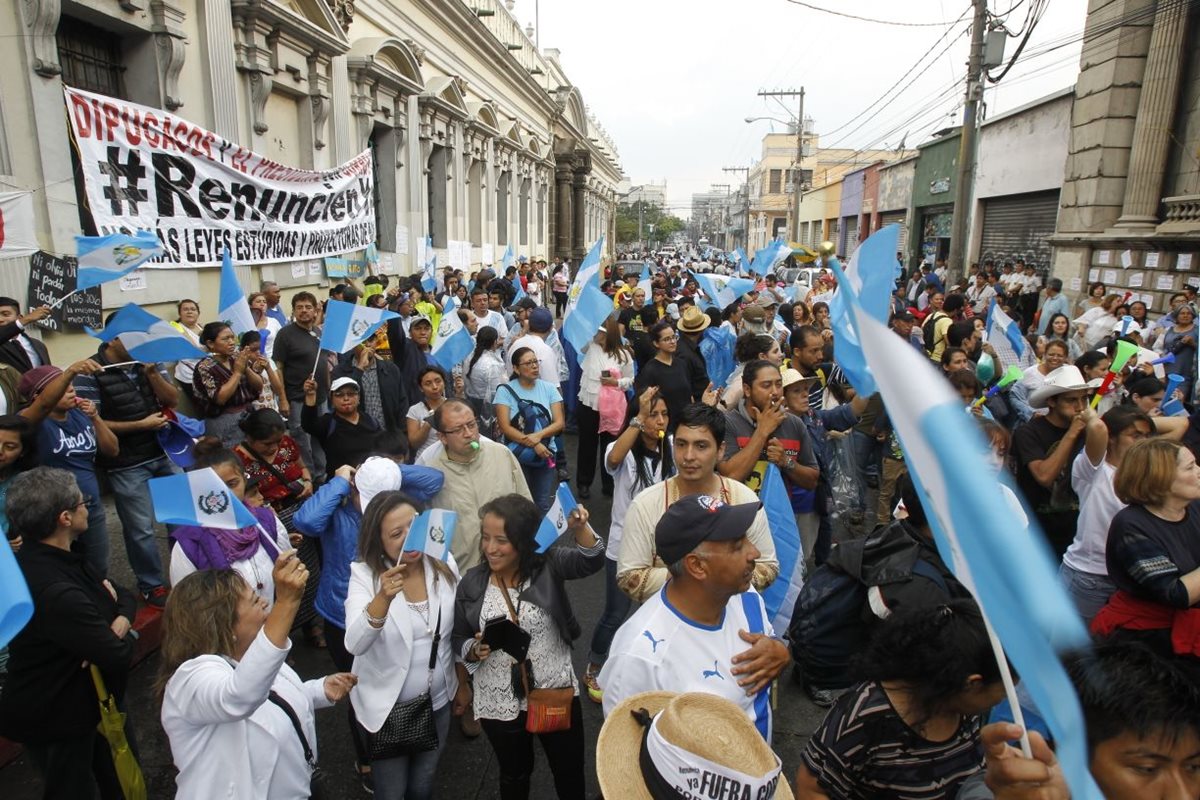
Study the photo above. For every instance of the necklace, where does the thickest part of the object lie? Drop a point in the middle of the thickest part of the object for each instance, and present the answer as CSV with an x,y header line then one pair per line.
x,y
422,610
258,581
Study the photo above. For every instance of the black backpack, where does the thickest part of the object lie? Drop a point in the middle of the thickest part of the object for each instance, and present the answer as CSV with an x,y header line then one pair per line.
x,y
929,330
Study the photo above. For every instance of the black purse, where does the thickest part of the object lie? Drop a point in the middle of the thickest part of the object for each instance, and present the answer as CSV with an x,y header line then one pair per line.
x,y
409,727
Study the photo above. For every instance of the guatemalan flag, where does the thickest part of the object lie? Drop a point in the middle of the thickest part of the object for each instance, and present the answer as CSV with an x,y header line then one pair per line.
x,y
431,532
429,268
587,306
646,282
740,260
722,290
146,337
554,524
780,596
348,324
198,498
16,606
453,343
106,258
1002,333
869,279
766,259
232,300
1003,561
507,259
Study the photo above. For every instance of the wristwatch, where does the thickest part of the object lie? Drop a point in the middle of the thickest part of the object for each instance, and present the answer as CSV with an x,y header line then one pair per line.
x,y
789,464
636,422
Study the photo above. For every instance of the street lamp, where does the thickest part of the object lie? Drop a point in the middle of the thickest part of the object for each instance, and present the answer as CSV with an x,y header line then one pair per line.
x,y
797,192
772,119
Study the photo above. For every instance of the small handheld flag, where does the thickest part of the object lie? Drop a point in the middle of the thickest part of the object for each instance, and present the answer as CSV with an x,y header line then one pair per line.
x,y
146,337
233,306
429,269
107,258
198,498
780,596
347,325
431,533
554,524
722,291
453,343
587,306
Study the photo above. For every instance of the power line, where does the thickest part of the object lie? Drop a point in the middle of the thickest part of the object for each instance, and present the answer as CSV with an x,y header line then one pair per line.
x,y
870,19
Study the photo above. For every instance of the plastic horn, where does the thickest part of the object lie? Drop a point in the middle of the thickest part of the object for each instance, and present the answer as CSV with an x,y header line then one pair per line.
x,y
1011,376
1125,351
1125,299
1169,358
1126,321
1173,383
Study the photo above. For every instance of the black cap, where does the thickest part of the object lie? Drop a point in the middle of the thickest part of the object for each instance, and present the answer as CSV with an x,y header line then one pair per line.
x,y
904,316
699,518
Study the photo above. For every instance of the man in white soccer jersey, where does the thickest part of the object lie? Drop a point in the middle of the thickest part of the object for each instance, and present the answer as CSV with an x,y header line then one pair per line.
x,y
705,630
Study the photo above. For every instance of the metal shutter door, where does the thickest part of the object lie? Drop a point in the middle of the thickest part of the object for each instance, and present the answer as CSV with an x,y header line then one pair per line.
x,y
898,218
1019,226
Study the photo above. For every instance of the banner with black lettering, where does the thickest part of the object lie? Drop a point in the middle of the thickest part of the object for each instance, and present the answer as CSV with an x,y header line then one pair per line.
x,y
144,168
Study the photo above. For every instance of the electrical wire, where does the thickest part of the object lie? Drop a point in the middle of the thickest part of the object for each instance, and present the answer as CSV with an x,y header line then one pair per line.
x,y
870,19
1037,11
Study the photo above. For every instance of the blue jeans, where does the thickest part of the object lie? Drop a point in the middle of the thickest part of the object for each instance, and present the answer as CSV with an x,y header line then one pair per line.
x,y
616,608
93,544
1090,592
136,510
411,777
542,482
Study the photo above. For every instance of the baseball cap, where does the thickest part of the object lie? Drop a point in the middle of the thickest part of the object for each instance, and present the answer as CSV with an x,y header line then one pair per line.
x,y
417,319
673,310
699,518
339,383
540,320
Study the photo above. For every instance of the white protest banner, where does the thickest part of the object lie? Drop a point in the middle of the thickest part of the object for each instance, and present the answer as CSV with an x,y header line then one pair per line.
x,y
16,225
144,168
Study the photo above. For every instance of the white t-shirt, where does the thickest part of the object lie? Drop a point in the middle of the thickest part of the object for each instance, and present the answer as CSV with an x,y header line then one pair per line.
x,y
547,358
624,485
1098,504
421,412
660,649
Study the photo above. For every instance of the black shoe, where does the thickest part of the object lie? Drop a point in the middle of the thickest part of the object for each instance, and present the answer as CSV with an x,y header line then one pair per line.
x,y
156,597
584,492
564,475
873,481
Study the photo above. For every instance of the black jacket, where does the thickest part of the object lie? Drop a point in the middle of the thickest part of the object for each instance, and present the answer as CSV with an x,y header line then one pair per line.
x,y
49,696
392,391
342,442
411,359
13,354
697,369
885,559
546,590
122,399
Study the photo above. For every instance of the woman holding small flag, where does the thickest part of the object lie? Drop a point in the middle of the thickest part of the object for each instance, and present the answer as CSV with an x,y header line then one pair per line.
x,y
187,323
225,385
399,618
529,412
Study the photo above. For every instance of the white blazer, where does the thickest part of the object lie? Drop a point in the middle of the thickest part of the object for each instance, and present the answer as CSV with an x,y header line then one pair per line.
x,y
383,656
227,739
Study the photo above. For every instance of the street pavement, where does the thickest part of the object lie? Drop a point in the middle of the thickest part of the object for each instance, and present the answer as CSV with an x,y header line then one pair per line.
x,y
468,767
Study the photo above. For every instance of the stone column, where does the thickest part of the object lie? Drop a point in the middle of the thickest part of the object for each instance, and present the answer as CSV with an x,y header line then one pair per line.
x,y
222,75
579,244
562,209
1155,115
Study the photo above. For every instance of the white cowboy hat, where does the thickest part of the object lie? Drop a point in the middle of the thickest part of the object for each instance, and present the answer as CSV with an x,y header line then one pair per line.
x,y
1066,378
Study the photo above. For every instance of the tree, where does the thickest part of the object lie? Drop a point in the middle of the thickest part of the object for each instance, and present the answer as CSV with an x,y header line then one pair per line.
x,y
651,214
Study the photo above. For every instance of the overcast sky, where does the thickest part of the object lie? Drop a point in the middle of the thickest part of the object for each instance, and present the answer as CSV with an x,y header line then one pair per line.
x,y
673,80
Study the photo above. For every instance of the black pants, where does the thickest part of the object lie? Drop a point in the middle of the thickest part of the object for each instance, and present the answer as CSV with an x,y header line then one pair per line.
x,y
335,641
514,754
560,304
64,765
591,444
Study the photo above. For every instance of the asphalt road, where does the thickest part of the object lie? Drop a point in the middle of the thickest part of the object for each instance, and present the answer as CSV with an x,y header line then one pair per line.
x,y
468,766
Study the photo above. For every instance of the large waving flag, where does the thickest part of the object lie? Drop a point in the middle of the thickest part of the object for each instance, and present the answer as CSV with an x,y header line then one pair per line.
x,y
771,256
348,324
780,596
107,258
232,300
646,281
554,524
16,606
431,532
868,282
722,290
1002,333
716,347
740,260
429,268
587,306
198,498
1004,563
146,337
453,343
507,259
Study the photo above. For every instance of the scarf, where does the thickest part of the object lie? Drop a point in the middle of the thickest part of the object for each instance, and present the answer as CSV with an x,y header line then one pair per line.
x,y
211,548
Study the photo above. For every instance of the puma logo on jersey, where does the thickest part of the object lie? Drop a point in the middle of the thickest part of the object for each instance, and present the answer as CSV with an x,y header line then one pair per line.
x,y
654,643
712,673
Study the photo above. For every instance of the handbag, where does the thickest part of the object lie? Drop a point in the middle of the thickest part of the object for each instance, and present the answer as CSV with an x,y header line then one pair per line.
x,y
547,710
612,407
112,726
294,488
409,727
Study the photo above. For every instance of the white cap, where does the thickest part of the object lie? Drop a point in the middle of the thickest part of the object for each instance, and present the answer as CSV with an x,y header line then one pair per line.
x,y
377,474
338,383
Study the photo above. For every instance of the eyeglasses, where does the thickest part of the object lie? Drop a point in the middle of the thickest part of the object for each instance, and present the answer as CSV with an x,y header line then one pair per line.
x,y
672,337
528,363
466,427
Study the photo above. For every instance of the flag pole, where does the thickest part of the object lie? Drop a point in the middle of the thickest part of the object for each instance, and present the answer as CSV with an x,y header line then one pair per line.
x,y
62,299
120,364
316,363
1010,690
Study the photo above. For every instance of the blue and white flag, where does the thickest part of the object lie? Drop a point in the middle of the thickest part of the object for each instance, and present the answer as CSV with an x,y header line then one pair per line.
x,y
106,258
1003,562
587,306
722,290
867,284
554,524
520,293
431,532
1002,333
769,257
453,343
780,596
16,606
232,300
739,259
646,281
429,269
716,348
347,325
146,337
506,260
198,498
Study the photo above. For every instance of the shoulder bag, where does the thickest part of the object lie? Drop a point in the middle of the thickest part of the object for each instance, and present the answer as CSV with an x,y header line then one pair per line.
x,y
531,417
547,710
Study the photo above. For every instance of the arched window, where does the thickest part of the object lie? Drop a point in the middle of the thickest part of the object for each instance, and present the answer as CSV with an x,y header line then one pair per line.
x,y
437,195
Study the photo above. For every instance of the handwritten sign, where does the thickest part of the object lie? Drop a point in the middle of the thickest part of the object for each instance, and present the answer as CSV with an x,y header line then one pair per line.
x,y
1126,259
298,269
345,267
1110,276
1093,275
1102,257
1183,262
1151,259
50,278
1165,283
1135,280
134,281
1076,284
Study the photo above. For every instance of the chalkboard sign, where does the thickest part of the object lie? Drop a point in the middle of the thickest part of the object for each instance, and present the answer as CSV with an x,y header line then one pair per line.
x,y
51,277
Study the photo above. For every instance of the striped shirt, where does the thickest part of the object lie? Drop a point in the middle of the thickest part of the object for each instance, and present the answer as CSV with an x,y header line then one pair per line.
x,y
863,749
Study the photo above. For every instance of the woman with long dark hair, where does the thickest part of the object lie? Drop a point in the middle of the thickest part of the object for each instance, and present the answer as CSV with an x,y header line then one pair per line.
x,y
486,370
225,382
607,362
640,457
560,283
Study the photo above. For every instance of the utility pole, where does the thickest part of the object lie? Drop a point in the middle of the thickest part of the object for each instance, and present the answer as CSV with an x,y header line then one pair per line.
x,y
641,208
968,145
746,183
796,192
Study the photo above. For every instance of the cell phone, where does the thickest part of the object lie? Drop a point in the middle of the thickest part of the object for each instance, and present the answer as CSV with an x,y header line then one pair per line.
x,y
501,633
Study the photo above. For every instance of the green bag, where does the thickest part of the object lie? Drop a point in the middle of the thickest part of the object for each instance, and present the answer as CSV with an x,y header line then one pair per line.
x,y
112,725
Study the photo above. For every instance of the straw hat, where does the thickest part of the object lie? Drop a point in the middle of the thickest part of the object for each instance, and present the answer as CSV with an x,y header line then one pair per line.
x,y
693,737
1066,378
693,320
